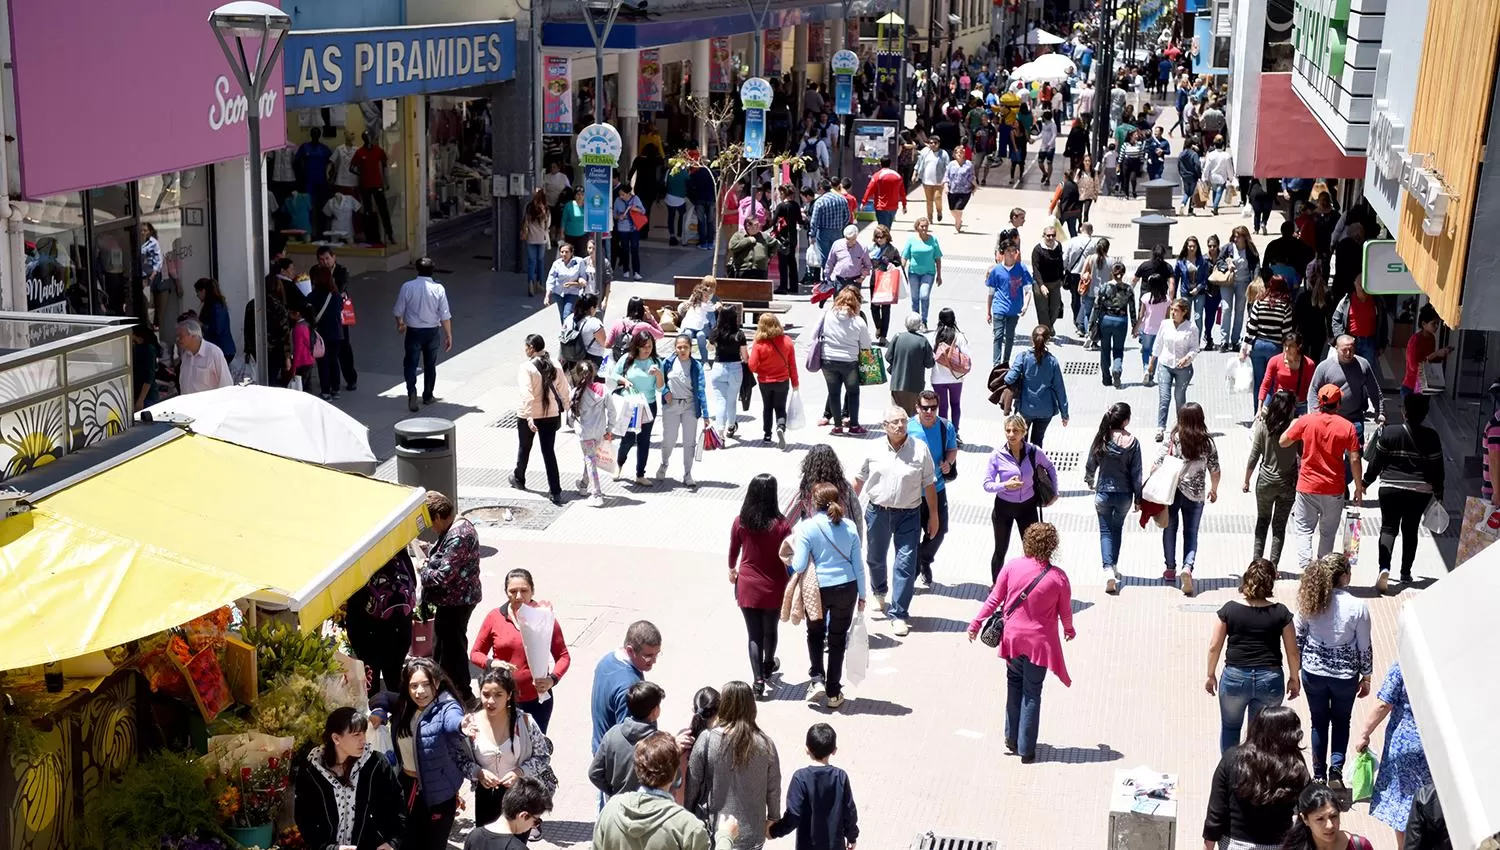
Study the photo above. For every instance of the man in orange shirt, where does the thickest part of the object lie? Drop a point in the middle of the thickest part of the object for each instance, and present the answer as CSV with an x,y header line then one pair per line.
x,y
888,190
1327,439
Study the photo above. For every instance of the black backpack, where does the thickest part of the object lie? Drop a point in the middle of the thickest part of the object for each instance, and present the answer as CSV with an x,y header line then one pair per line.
x,y
571,345
392,591
621,347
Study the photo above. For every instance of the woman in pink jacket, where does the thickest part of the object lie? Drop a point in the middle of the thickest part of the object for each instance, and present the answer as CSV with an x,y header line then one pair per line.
x,y
1036,595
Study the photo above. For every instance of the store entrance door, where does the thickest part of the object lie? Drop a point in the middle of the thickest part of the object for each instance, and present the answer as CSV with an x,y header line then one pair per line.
x,y
115,248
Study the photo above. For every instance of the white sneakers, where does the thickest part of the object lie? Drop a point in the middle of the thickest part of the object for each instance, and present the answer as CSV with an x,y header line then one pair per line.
x,y
899,628
596,501
878,608
815,690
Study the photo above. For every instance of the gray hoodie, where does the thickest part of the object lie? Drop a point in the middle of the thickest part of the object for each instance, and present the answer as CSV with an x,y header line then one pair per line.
x,y
650,820
613,770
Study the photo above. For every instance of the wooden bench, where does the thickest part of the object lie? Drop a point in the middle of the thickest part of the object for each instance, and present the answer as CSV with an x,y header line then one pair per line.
x,y
749,313
753,296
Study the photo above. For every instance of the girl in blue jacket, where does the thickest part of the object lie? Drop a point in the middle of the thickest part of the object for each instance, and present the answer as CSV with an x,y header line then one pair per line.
x,y
433,751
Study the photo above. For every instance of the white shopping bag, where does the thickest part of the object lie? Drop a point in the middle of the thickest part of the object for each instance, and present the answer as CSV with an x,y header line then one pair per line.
x,y
857,655
296,383
1239,376
536,638
690,224
796,415
1161,485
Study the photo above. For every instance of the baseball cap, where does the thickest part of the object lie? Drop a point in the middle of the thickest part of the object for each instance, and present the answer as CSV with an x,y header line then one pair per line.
x,y
1330,394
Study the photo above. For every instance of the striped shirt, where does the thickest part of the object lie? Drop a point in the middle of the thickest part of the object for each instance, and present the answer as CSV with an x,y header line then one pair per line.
x,y
829,212
1270,319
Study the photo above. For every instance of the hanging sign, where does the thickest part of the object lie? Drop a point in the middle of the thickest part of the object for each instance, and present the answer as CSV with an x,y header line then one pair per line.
x,y
755,97
815,43
598,147
557,97
845,65
720,71
772,61
648,85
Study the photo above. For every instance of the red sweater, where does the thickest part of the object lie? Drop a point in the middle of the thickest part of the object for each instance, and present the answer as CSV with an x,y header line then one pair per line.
x,y
888,190
757,554
1280,377
500,639
774,361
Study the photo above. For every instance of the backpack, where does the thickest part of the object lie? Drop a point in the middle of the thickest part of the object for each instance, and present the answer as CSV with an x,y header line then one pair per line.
x,y
949,357
571,346
621,347
392,591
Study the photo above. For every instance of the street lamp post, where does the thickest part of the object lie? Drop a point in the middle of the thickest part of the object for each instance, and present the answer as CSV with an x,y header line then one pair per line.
x,y
1103,76
267,25
600,15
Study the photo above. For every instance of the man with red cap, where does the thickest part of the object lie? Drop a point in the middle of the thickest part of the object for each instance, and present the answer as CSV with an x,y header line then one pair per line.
x,y
1327,439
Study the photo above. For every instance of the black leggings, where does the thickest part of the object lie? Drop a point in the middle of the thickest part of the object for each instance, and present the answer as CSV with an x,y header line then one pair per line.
x,y
451,645
427,826
382,645
881,313
1400,510
760,625
786,265
546,430
773,398
1022,514
838,614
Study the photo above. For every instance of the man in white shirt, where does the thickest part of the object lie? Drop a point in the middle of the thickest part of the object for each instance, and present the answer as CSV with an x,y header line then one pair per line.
x,y
203,365
421,311
932,170
1218,167
893,481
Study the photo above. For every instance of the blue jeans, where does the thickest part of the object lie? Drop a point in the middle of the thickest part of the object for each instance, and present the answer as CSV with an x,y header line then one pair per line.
x,y
564,305
706,226
1171,390
825,240
1330,702
421,342
1246,689
1004,330
1112,509
1234,310
1112,344
675,217
1085,310
641,440
1364,346
1189,188
726,378
630,251
1148,344
1023,703
1261,354
1188,513
536,259
885,218
881,525
921,293
700,337
1217,194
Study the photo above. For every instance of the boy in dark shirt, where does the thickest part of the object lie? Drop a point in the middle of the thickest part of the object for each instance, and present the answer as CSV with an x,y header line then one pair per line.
x,y
819,801
525,803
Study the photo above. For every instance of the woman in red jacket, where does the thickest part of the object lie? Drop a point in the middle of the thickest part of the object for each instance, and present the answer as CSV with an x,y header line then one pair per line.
x,y
499,645
758,574
773,360
1292,371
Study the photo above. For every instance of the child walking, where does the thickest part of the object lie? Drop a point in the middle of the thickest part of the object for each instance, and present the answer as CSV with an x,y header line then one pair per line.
x,y
302,350
594,418
819,802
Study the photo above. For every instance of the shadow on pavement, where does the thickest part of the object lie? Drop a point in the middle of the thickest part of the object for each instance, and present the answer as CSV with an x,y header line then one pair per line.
x,y
867,706
566,833
1077,755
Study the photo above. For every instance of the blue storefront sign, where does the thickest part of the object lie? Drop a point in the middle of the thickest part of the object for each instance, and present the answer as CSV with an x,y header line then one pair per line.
x,y
596,210
755,97
599,147
331,67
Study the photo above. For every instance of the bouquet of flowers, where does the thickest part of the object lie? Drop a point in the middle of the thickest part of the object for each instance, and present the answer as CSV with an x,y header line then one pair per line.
x,y
253,796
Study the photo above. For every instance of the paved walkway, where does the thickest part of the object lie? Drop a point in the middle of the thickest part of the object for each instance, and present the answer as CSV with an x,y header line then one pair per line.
x,y
922,736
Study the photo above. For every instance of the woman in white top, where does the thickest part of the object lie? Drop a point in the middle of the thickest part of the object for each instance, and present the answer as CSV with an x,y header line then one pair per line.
x,y
946,382
1172,362
508,744
566,280
536,227
699,313
844,335
1244,261
1333,637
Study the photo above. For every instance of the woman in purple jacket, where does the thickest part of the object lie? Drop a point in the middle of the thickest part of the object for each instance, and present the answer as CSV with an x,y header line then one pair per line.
x,y
1011,477
433,751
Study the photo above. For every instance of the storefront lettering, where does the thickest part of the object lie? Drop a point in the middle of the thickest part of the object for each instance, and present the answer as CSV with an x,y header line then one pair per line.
x,y
382,63
233,110
46,295
308,79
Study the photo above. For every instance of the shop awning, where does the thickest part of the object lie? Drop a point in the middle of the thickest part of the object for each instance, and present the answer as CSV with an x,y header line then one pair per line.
x,y
185,527
728,20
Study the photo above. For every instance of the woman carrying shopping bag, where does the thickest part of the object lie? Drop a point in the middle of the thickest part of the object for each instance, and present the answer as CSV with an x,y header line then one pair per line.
x,y
773,360
827,543
684,402
1198,481
885,282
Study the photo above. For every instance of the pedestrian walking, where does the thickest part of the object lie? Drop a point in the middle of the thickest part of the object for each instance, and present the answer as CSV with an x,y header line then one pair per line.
x,y
924,265
909,356
325,311
951,362
1112,318
499,646
883,257
1291,371
433,751
1243,261
630,218
887,190
1359,389
684,404
1333,638
1189,171
1009,287
819,800
613,769
575,224
958,180
773,361
826,541
941,438
536,228
1113,472
786,220
1213,297
1422,350
1154,277
758,574
616,672
566,280
1047,266
508,744
932,169
593,416
1256,784
1011,476
731,353
1037,378
1276,485
844,334
1198,481
421,313
1079,253
1087,178
1035,597
1251,633
734,771
894,479
378,622
544,389
847,263
827,217
1327,440
1171,363
450,582
640,372
1219,167
1408,460
1270,322
1403,761
1317,827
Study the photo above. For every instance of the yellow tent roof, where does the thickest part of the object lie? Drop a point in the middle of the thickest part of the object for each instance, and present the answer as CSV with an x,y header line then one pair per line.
x,y
185,528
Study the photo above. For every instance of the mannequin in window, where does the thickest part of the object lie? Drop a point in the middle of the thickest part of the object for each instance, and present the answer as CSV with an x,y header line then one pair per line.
x,y
341,167
312,168
369,163
298,207
340,210
282,171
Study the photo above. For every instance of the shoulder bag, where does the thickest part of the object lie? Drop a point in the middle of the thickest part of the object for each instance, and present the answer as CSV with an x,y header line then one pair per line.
x,y
994,628
1222,273
952,472
814,362
1042,483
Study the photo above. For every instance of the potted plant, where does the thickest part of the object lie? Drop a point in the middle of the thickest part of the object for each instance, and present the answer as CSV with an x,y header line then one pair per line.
x,y
159,801
423,630
250,798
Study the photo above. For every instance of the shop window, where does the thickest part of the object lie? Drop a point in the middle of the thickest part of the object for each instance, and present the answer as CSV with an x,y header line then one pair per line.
x,y
57,268
116,274
459,158
358,197
175,210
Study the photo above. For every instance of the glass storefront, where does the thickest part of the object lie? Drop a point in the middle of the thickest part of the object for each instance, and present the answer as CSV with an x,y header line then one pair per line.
x,y
361,199
459,158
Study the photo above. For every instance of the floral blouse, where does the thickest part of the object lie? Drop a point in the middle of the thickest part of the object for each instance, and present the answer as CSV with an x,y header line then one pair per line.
x,y
451,575
1193,483
1088,187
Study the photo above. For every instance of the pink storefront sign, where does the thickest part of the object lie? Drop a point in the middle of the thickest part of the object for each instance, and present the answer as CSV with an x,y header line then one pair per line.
x,y
141,88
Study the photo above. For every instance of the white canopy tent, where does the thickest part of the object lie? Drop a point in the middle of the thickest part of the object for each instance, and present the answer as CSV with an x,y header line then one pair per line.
x,y
1054,68
1038,37
1448,649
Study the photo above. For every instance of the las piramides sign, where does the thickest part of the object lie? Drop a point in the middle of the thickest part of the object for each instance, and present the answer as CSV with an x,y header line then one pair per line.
x,y
330,67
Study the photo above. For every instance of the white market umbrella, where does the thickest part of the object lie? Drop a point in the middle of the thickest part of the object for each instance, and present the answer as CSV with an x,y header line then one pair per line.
x,y
1054,68
1038,36
289,423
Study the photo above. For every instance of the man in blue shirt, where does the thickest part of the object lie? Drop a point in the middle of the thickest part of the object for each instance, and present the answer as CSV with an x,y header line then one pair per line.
x,y
942,442
617,671
828,217
1009,283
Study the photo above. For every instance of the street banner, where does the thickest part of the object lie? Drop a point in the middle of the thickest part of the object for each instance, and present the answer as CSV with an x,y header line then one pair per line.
x,y
845,65
598,148
648,85
719,70
755,97
771,64
557,97
814,42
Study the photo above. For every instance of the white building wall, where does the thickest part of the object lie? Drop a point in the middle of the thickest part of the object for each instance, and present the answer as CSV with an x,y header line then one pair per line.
x,y
1248,24
234,235
1395,93
1342,103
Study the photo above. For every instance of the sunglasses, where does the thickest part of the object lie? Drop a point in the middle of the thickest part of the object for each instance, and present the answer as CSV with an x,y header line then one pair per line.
x,y
927,408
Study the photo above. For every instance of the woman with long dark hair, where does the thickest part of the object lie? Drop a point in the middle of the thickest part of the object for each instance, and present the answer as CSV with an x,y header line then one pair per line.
x,y
1276,486
883,256
1338,659
1256,784
1313,309
731,350
499,646
1155,279
585,318
508,744
1213,254
1256,631
1113,472
536,228
331,771
1190,278
1244,263
640,371
734,768
1316,823
1270,323
1408,460
433,752
1291,372
950,348
705,712
544,390
325,312
758,574
636,318
821,465
1191,443
213,315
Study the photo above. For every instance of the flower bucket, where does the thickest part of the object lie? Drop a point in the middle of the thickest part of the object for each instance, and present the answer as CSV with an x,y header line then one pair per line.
x,y
262,836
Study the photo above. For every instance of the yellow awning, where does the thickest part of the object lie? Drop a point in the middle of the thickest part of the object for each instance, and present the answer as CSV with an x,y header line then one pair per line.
x,y
182,529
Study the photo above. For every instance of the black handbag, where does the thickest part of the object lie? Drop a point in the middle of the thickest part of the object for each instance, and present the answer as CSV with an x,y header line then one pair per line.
x,y
1042,483
994,627
952,472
